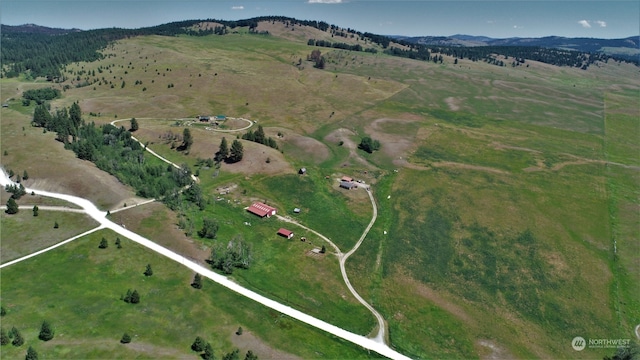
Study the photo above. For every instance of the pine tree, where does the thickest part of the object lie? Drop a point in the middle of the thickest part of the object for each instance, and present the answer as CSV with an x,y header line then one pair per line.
x,y
12,206
187,140
223,151
35,210
197,282
135,297
118,244
46,333
237,151
18,340
198,344
103,244
208,352
4,338
3,311
55,225
149,271
31,354
127,297
239,331
250,356
259,135
126,338
323,250
134,125
234,355
25,175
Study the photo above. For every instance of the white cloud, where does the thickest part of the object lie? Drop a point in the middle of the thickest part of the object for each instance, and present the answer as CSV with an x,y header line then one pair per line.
x,y
237,8
324,1
584,23
601,23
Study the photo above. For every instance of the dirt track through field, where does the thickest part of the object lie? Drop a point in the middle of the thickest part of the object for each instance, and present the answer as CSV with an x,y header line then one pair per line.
x,y
380,336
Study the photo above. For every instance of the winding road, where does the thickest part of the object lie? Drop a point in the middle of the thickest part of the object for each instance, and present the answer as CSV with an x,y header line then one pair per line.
x,y
380,337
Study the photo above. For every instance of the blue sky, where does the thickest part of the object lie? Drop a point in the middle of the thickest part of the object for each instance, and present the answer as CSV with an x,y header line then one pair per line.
x,y
500,19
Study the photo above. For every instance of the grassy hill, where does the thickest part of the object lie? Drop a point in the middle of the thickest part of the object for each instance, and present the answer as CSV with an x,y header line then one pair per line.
x,y
508,196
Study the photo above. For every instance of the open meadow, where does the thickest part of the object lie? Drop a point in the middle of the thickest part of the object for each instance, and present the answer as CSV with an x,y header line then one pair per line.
x,y
508,202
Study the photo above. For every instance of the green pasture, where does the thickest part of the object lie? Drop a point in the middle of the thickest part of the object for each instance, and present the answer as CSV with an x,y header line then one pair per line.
x,y
23,233
80,294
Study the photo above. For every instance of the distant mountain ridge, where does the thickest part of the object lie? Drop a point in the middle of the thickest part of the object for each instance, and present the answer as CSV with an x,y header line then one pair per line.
x,y
626,46
37,29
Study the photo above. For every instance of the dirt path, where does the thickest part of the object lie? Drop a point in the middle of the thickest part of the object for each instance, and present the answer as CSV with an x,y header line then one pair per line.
x,y
380,337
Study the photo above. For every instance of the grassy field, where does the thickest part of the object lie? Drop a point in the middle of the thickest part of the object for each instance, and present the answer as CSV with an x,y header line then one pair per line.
x,y
23,233
89,317
495,237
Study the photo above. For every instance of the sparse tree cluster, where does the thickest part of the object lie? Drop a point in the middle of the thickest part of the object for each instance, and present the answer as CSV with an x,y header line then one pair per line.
x,y
260,137
235,254
200,345
317,58
131,297
16,191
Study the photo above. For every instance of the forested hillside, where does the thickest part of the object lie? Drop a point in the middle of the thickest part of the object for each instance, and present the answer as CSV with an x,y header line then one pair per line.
x,y
40,53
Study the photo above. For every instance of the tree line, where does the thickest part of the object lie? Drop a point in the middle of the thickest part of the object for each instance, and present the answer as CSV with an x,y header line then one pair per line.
x,y
260,137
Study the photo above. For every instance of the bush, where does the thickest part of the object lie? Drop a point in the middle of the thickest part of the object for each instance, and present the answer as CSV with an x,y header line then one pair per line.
x,y
125,339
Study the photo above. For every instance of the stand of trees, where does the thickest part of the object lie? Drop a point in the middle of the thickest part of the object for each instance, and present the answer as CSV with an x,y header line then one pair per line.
x,y
113,150
259,135
235,254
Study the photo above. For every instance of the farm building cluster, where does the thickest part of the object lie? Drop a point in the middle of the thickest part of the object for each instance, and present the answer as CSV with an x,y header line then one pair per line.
x,y
266,211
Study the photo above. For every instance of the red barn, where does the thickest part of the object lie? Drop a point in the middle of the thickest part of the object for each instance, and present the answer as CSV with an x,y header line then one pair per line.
x,y
286,233
262,210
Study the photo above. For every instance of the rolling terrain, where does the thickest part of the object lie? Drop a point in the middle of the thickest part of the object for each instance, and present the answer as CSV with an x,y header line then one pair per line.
x,y
507,197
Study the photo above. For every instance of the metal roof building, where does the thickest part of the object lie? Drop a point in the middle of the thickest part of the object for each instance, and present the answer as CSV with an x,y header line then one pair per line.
x,y
261,209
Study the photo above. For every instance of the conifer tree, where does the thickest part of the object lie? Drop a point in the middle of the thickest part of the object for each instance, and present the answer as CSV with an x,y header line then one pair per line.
x,y
126,338
103,244
198,345
18,340
4,338
46,333
32,354
223,151
127,297
134,125
12,206
148,271
135,297
208,352
237,151
197,282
